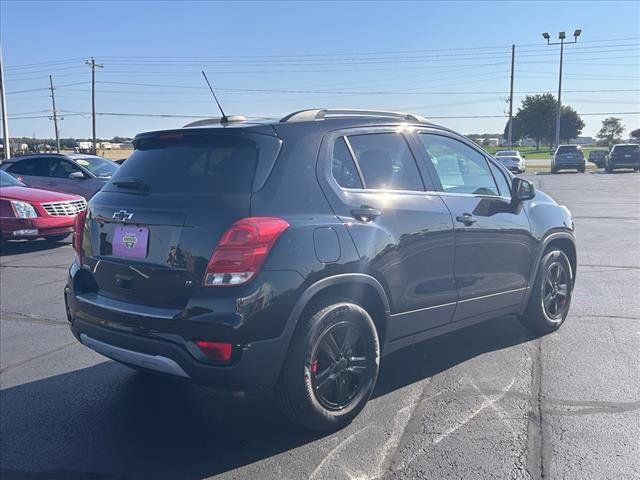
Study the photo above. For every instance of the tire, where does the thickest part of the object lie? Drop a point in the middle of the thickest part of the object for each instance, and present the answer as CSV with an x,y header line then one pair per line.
x,y
554,171
56,238
581,170
608,168
551,296
320,393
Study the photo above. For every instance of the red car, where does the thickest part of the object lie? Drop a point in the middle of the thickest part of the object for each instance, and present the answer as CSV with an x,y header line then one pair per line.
x,y
32,213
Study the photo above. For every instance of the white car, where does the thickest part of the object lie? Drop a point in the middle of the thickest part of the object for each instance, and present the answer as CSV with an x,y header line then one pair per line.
x,y
512,160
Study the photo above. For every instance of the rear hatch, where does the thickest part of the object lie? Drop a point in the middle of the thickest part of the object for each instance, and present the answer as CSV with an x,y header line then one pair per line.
x,y
151,230
569,155
626,154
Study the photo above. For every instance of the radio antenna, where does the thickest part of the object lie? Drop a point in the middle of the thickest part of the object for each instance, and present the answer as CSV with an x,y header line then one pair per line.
x,y
224,117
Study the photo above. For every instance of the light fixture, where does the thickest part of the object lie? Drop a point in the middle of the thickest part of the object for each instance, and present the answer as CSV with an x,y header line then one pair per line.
x,y
577,33
546,36
562,36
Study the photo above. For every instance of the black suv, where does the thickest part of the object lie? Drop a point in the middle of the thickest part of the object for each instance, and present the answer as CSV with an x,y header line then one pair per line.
x,y
623,155
568,157
291,255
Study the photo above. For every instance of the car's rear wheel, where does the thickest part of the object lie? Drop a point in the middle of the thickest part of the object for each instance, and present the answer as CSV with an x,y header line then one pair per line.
x,y
331,368
551,295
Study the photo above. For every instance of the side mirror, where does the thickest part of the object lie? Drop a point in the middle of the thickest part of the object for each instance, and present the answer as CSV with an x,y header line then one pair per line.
x,y
522,189
76,175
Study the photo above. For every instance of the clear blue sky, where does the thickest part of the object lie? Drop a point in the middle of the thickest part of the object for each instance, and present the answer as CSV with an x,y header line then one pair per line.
x,y
407,56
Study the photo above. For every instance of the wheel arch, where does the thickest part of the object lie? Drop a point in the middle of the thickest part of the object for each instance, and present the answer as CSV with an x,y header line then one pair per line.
x,y
361,288
565,240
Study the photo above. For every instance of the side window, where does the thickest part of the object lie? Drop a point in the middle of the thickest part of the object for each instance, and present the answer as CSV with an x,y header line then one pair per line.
x,y
60,168
501,180
37,167
461,169
386,162
342,166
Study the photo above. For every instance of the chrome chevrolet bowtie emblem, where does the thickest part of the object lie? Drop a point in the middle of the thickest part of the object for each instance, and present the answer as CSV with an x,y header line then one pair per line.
x,y
122,215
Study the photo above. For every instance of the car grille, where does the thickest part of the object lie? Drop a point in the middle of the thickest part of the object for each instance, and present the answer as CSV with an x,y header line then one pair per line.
x,y
67,208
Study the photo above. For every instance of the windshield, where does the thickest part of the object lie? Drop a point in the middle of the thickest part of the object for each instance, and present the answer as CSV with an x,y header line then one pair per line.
x,y
507,153
98,166
7,180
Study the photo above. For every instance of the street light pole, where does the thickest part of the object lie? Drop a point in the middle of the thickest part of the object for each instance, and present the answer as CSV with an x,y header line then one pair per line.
x,y
559,108
561,37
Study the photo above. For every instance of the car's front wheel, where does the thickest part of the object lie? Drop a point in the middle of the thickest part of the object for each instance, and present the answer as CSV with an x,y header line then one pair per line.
x,y
331,368
551,294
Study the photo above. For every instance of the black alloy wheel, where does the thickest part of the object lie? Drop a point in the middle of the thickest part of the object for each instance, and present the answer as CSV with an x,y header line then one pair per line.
x,y
339,366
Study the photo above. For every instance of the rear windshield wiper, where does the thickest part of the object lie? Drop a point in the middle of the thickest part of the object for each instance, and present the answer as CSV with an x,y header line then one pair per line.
x,y
132,183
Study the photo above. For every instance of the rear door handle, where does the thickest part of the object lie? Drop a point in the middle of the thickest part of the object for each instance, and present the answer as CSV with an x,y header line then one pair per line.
x,y
466,218
365,213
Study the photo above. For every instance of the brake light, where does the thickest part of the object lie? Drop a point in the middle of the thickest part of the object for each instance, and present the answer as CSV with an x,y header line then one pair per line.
x,y
217,351
242,250
78,233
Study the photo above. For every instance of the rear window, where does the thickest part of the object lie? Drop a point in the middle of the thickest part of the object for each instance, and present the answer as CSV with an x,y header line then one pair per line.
x,y
192,164
568,149
626,148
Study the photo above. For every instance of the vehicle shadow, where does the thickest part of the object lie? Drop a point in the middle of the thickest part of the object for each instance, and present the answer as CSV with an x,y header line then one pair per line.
x,y
106,421
8,249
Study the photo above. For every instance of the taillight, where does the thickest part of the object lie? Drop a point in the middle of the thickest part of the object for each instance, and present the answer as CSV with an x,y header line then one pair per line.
x,y
78,233
242,250
217,351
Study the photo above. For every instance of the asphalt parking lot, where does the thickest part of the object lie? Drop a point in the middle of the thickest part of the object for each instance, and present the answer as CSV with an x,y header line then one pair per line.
x,y
490,401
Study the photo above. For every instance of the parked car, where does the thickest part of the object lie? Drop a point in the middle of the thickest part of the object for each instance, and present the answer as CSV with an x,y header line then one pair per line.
x,y
514,163
291,255
623,155
568,157
508,153
29,213
73,173
598,157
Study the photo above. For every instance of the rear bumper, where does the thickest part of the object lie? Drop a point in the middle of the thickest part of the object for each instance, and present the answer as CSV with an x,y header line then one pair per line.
x,y
568,164
257,368
40,227
624,163
163,339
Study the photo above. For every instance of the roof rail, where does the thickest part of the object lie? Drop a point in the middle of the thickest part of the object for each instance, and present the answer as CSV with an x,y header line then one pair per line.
x,y
217,120
320,114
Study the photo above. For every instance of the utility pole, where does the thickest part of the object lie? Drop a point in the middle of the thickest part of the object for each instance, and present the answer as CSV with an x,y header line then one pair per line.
x,y
513,61
561,37
92,63
5,120
55,117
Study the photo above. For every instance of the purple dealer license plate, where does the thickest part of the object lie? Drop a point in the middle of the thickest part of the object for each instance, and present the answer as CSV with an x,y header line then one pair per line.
x,y
130,241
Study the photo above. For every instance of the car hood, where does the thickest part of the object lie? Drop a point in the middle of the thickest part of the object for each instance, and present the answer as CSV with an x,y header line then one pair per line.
x,y
35,195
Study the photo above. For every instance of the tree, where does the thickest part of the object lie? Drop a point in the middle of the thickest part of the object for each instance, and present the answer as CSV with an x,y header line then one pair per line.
x,y
611,131
571,124
635,134
536,117
516,131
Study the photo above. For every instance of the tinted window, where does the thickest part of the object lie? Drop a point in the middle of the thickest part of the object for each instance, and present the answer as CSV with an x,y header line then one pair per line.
x,y
386,162
38,167
461,169
197,164
98,166
626,148
60,168
501,180
343,168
